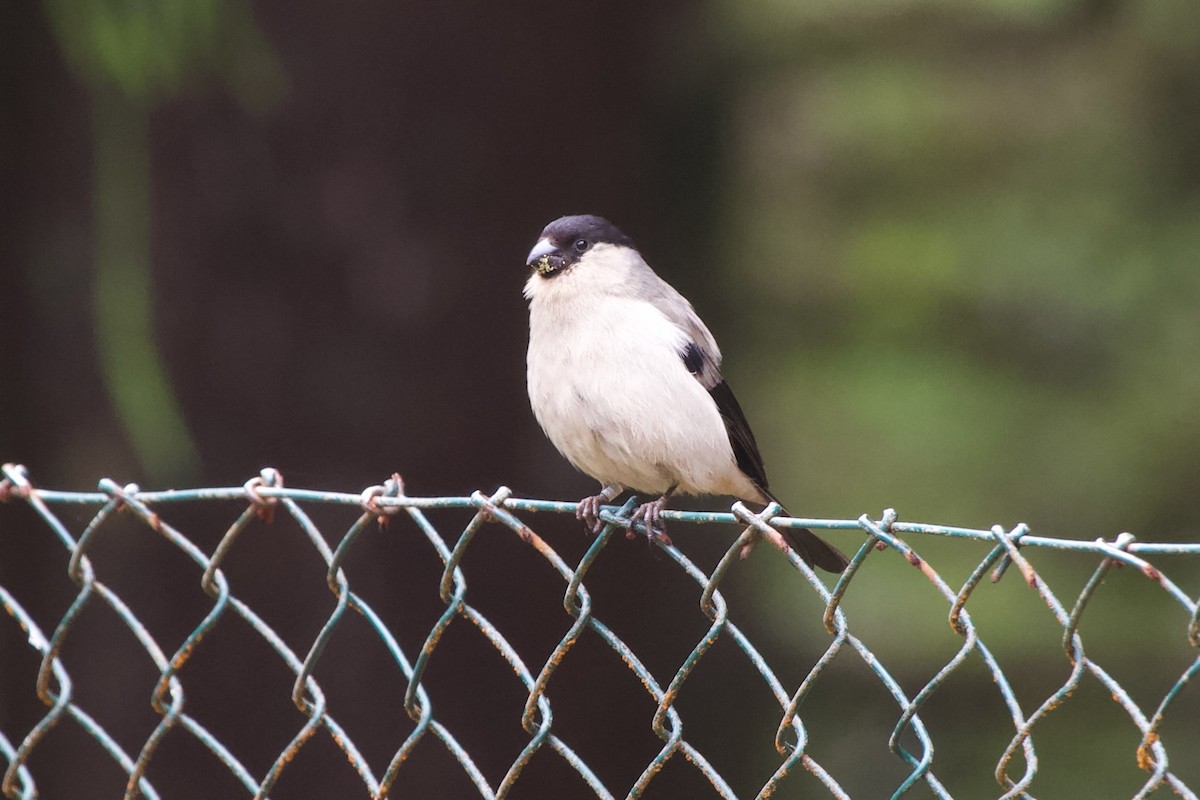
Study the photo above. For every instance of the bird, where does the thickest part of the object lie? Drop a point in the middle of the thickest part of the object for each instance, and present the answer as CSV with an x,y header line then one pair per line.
x,y
624,379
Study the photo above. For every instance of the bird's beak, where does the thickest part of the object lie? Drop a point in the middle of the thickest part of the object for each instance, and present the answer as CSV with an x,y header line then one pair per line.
x,y
544,257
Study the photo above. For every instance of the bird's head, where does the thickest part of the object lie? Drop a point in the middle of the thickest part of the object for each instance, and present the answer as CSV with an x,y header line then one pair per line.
x,y
571,241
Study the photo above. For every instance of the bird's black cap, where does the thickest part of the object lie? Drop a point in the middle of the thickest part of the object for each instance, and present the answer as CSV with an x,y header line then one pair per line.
x,y
564,231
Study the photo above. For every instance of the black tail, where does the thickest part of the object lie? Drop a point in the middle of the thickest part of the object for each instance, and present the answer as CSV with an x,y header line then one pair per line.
x,y
815,550
812,548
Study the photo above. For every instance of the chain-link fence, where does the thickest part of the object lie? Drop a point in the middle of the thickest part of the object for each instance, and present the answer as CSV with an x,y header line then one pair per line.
x,y
587,688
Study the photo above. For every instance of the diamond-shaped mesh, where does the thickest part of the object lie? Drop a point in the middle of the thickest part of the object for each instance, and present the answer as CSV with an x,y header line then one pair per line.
x,y
79,521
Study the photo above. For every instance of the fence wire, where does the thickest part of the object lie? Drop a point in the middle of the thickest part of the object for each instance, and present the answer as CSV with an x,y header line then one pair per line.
x,y
266,497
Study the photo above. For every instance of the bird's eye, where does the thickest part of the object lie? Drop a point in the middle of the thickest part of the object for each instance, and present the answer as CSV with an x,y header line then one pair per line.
x,y
581,245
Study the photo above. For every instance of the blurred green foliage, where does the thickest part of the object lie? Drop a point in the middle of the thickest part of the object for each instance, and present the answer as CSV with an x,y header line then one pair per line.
x,y
132,54
968,235
150,51
984,226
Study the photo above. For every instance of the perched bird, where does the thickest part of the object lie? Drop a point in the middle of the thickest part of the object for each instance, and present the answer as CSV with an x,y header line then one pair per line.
x,y
624,379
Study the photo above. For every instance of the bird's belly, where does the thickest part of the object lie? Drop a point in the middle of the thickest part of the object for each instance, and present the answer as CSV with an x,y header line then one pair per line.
x,y
624,410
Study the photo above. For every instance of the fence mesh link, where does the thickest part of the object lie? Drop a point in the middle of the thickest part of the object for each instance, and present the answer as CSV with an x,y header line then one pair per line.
x,y
79,521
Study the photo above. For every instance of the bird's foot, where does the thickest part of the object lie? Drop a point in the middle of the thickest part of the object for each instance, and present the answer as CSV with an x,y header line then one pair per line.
x,y
650,515
588,511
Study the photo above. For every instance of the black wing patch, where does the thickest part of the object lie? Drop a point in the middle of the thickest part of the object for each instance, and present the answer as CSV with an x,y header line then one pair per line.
x,y
745,449
693,359
741,439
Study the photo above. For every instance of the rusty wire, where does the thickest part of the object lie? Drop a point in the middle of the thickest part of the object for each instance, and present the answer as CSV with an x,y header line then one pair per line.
x,y
267,497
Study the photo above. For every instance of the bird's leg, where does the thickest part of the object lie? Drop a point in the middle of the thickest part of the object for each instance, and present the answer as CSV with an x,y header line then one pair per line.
x,y
588,509
650,515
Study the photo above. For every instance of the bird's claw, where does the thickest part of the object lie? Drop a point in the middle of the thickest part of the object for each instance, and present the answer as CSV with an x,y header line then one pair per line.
x,y
588,511
650,515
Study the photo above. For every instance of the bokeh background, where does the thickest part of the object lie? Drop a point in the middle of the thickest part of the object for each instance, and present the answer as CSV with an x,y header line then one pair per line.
x,y
951,251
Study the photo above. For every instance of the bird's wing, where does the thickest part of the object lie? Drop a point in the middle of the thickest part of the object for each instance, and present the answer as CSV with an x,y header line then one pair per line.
x,y
647,286
702,358
745,449
741,438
